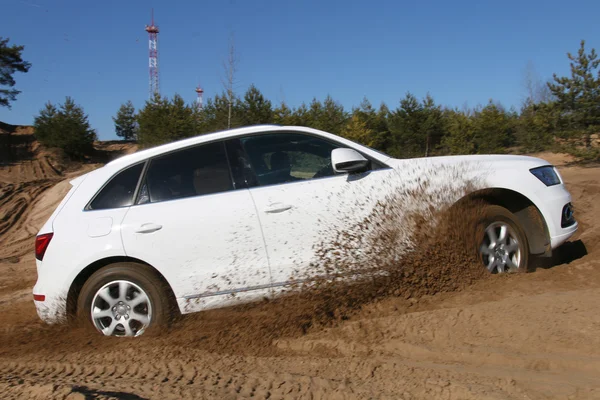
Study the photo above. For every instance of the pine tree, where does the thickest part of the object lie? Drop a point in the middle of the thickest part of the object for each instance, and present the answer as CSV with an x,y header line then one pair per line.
x,y
125,122
313,114
432,126
282,115
536,126
255,108
152,121
10,62
214,115
300,116
332,117
357,130
492,129
578,96
66,128
406,128
460,133
163,121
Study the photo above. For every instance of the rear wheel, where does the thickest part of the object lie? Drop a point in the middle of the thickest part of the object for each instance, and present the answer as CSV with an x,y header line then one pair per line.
x,y
502,244
124,299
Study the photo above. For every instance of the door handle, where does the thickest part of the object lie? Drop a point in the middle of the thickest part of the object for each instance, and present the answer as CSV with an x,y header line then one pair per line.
x,y
148,228
277,208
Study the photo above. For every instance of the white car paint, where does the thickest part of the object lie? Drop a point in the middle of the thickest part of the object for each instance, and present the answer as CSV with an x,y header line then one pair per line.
x,y
239,245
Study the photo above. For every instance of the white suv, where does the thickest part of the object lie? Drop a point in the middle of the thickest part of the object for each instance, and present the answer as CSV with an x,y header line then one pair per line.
x,y
234,216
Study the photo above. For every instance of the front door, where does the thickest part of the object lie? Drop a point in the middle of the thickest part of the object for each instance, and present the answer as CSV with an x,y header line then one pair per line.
x,y
302,203
197,229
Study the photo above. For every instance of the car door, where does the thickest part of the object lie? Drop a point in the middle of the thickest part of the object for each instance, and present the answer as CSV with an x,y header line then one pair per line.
x,y
302,202
199,230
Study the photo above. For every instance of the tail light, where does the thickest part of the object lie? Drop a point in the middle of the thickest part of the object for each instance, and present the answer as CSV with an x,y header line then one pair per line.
x,y
41,244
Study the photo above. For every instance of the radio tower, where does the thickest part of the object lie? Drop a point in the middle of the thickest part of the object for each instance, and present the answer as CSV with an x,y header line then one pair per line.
x,y
199,101
153,56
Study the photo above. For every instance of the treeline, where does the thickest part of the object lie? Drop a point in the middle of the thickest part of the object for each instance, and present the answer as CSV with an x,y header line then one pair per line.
x,y
563,114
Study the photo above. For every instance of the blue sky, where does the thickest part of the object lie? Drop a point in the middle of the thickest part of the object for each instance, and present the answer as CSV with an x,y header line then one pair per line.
x,y
462,52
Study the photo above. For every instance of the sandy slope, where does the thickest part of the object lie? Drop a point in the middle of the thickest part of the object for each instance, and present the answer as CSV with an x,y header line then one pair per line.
x,y
525,336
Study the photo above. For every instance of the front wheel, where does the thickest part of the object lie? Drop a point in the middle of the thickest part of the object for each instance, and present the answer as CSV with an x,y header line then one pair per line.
x,y
502,244
124,299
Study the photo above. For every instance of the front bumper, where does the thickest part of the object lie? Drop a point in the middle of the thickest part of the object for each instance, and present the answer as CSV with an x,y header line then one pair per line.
x,y
551,201
567,232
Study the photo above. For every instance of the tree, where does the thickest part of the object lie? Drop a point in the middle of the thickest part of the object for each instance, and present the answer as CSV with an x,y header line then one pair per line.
x,y
163,121
300,116
328,116
357,130
282,115
536,126
460,133
578,96
10,62
255,108
406,127
333,117
492,129
125,121
432,126
66,128
214,116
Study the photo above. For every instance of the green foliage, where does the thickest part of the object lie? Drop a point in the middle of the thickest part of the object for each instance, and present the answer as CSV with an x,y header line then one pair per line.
x,y
416,127
163,120
586,154
578,96
255,109
493,129
536,126
282,115
357,130
66,128
10,62
328,116
214,115
367,126
460,133
125,122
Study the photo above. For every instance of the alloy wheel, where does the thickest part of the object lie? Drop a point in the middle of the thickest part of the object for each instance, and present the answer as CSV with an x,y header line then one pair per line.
x,y
500,250
121,308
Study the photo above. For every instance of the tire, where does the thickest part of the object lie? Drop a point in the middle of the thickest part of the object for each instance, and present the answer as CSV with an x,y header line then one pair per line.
x,y
124,299
510,250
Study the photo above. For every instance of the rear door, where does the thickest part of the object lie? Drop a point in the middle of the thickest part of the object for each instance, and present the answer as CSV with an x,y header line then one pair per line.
x,y
199,230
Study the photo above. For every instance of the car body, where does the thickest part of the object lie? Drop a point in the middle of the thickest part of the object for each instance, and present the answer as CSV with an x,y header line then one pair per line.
x,y
234,215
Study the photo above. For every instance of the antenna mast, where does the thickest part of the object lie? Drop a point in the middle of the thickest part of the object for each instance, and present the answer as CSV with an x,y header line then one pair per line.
x,y
153,56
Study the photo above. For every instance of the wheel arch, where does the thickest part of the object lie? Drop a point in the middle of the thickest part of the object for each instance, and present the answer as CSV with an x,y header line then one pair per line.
x,y
531,219
87,272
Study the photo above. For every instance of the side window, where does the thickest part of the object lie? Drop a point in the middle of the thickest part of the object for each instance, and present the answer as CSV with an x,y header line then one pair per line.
x,y
288,157
119,191
191,172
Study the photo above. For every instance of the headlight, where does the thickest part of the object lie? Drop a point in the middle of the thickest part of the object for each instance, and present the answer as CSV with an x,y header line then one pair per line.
x,y
546,174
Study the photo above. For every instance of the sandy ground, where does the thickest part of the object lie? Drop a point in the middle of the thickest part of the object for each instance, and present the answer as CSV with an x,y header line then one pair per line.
x,y
524,336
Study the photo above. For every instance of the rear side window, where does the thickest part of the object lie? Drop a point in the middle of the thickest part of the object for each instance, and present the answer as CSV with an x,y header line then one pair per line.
x,y
119,191
191,172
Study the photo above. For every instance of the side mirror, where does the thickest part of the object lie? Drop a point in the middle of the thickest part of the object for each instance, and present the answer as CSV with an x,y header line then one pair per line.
x,y
348,160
